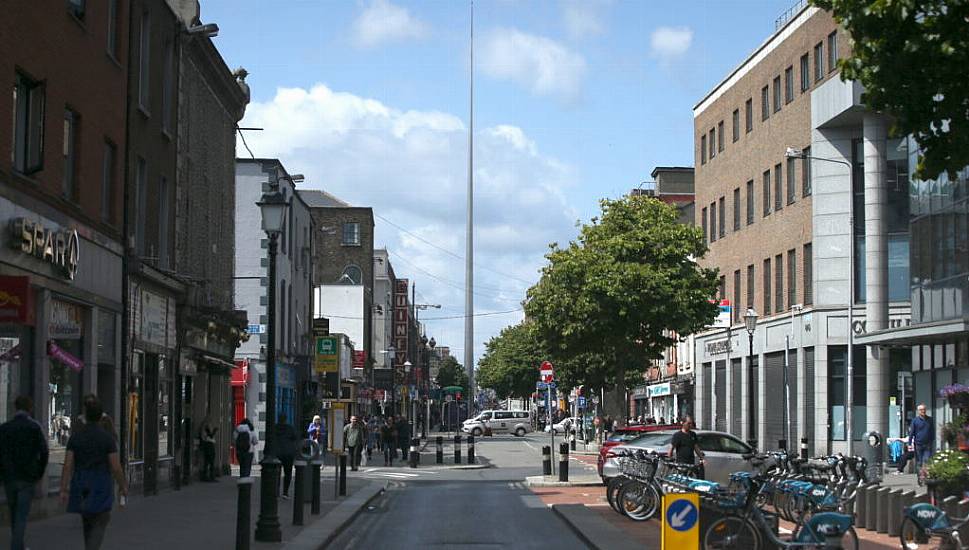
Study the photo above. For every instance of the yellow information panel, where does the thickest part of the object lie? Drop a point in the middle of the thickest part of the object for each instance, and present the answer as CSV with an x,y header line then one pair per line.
x,y
681,521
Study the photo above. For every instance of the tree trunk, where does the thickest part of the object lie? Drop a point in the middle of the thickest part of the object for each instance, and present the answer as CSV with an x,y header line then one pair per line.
x,y
616,405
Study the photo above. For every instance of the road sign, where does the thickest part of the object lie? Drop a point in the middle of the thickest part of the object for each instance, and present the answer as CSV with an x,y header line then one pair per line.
x,y
581,402
545,385
546,371
681,518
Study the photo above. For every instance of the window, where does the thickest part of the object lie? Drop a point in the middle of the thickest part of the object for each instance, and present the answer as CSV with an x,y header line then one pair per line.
x,y
168,88
777,93
767,203
778,188
723,218
736,124
791,180
107,181
722,288
351,234
713,143
736,297
764,103
736,209
779,283
28,125
703,149
69,153
788,84
791,277
832,51
141,201
352,275
163,222
703,217
808,274
713,222
749,115
767,283
112,42
806,173
76,8
805,73
750,202
751,277
818,61
144,62
720,136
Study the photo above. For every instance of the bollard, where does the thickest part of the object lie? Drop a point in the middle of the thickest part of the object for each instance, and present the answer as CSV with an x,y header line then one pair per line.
x,y
343,475
440,450
572,443
861,498
564,462
961,512
546,460
412,455
470,449
871,508
894,509
243,513
804,447
315,504
782,444
298,496
457,449
885,513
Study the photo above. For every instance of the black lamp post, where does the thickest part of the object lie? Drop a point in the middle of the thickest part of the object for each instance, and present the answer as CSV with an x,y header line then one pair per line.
x,y
428,348
273,205
408,381
750,321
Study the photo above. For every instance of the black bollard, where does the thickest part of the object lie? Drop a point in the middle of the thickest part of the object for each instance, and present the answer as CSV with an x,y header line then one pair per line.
x,y
564,462
417,449
457,449
343,475
782,444
298,496
546,460
470,449
804,447
572,443
315,504
243,513
412,455
440,449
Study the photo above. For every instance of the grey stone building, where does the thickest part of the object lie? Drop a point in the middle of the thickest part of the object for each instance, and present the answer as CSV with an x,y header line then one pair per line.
x,y
293,295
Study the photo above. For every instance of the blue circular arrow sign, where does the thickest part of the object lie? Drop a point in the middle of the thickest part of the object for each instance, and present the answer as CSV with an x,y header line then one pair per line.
x,y
682,515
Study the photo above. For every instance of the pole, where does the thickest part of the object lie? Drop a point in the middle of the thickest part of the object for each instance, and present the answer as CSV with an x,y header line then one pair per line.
x,y
298,496
343,474
439,455
267,528
315,504
787,393
564,462
469,239
751,393
244,512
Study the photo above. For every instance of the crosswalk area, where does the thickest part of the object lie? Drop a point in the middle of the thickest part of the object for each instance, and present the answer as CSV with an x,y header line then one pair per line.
x,y
395,473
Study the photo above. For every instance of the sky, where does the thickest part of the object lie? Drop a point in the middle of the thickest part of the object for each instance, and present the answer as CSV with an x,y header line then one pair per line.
x,y
574,101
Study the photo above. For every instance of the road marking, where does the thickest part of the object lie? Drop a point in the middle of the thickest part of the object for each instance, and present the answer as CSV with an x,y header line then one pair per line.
x,y
530,446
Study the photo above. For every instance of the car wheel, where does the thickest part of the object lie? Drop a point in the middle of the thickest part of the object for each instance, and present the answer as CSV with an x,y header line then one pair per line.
x,y
520,432
476,432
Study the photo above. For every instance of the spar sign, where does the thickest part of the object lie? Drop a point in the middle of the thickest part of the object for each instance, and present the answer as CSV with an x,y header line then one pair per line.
x,y
546,372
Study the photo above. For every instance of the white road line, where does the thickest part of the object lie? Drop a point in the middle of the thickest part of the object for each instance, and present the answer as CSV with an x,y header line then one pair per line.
x,y
530,446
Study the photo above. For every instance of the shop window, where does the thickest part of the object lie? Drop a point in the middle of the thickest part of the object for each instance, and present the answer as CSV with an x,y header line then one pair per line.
x,y
837,392
136,423
164,408
15,367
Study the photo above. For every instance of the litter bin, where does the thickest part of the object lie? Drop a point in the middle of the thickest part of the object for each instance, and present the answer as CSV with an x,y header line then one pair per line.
x,y
875,455
308,451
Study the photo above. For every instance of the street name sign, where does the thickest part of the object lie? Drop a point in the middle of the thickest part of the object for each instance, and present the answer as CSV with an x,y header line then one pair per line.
x,y
681,519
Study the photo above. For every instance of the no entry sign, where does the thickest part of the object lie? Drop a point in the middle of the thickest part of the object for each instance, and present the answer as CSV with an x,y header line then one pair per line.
x,y
546,371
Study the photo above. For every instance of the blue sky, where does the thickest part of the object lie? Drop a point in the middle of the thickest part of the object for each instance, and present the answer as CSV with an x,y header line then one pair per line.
x,y
574,101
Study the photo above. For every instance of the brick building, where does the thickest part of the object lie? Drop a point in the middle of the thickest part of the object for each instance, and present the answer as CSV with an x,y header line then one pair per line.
x,y
778,227
61,200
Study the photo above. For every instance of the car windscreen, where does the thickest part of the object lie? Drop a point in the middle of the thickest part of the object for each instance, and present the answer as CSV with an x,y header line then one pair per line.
x,y
624,436
652,440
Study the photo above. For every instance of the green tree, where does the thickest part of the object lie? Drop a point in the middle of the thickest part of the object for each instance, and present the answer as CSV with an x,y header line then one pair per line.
x,y
451,373
510,362
911,57
605,304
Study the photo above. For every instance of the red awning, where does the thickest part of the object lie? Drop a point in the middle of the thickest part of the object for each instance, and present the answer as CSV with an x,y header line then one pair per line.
x,y
240,374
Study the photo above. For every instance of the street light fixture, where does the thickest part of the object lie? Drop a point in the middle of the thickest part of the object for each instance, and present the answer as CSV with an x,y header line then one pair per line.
x,y
273,206
407,366
750,322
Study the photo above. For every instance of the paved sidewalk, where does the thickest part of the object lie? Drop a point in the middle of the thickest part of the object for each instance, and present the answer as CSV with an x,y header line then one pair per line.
x,y
201,516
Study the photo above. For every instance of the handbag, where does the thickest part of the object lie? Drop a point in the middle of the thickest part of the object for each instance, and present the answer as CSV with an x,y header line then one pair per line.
x,y
92,492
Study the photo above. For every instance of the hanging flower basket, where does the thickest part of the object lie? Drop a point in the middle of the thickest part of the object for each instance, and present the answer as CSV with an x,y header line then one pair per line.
x,y
957,395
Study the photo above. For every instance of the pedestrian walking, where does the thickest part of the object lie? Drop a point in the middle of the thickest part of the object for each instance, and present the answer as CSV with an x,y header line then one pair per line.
x,y
23,460
317,432
373,435
207,445
245,440
403,437
354,437
685,446
921,440
86,480
388,440
287,442
105,421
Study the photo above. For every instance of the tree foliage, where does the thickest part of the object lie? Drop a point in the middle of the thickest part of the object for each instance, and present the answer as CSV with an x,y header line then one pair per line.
x,y
510,362
451,373
911,56
605,304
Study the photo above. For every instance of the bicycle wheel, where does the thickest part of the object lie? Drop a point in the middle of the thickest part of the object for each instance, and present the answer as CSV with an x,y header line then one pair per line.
x,y
849,540
612,492
911,535
640,501
731,532
629,499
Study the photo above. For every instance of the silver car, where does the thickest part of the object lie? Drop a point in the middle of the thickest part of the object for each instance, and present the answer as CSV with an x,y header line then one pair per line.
x,y
724,453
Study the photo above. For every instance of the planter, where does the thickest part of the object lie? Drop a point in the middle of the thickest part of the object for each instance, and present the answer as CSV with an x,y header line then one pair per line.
x,y
959,400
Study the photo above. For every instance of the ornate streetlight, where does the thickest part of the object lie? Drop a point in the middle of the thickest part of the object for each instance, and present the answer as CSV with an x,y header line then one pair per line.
x,y
750,321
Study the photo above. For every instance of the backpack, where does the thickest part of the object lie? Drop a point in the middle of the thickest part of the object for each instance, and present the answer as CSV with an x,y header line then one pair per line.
x,y
243,443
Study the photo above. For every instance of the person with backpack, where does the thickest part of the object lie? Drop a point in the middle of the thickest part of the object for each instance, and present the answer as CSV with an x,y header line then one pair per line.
x,y
245,443
287,443
23,460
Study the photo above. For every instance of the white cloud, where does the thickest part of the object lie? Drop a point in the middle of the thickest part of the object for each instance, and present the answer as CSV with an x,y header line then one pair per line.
x,y
539,64
411,168
382,22
583,18
668,43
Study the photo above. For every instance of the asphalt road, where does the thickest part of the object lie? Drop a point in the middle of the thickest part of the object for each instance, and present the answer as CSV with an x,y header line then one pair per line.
x,y
488,508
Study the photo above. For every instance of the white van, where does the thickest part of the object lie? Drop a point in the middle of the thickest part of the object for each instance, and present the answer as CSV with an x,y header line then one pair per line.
x,y
500,422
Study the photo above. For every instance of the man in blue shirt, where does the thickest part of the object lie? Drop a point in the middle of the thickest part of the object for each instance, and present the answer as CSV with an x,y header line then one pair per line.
x,y
921,436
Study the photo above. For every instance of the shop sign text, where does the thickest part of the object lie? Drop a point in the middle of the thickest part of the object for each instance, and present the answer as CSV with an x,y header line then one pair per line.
x,y
58,247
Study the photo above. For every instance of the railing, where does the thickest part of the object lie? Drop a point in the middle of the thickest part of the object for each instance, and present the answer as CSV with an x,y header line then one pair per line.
x,y
789,14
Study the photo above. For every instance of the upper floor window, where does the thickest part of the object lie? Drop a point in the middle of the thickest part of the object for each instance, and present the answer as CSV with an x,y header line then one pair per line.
x,y
736,209
713,142
764,103
112,42
806,173
766,193
750,202
805,73
351,234
28,125
168,88
144,62
69,152
736,124
704,224
713,222
749,115
791,180
720,136
832,51
788,84
818,61
703,149
777,93
778,188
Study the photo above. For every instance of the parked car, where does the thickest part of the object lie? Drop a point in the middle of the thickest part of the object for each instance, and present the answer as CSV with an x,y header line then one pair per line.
x,y
724,453
627,434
